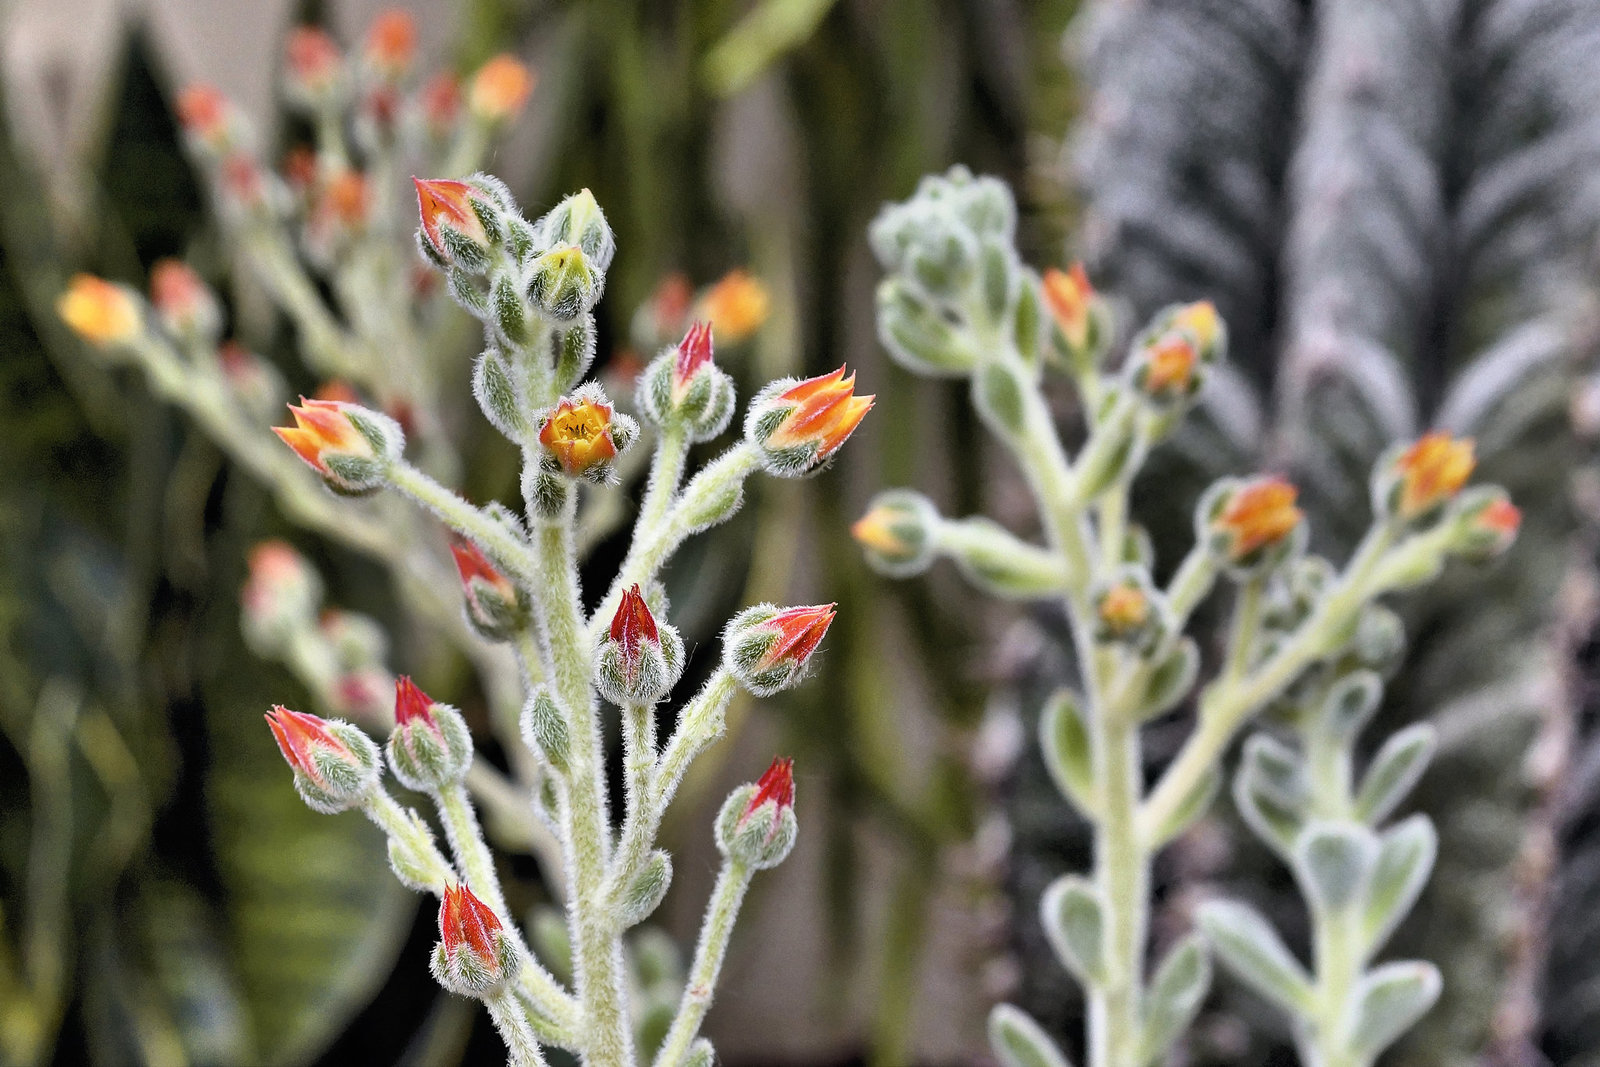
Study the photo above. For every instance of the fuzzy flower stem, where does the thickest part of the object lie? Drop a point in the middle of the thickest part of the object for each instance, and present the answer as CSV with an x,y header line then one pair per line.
x,y
666,472
408,833
519,1037
721,477
1226,704
597,955
503,547
699,724
721,912
639,754
1244,629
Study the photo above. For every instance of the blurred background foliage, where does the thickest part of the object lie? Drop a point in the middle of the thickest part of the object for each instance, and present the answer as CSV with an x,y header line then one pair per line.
x,y
1394,203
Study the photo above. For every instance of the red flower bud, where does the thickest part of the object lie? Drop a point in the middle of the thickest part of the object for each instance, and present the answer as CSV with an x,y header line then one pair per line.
x,y
313,60
184,302
694,352
335,765
449,219
205,113
757,826
776,785
430,747
473,955
411,704
768,649
639,661
633,624
392,42
495,606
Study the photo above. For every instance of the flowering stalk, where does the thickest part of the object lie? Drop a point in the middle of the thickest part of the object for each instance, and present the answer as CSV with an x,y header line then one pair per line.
x,y
533,285
958,302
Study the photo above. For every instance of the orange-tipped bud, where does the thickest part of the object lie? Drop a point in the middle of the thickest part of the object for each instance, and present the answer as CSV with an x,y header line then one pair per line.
x,y
897,533
1123,609
452,228
349,445
101,312
495,606
799,425
736,305
756,826
184,303
693,353
1254,518
684,387
768,650
1428,474
639,660
473,957
1169,368
500,89
392,43
1486,523
1068,295
335,765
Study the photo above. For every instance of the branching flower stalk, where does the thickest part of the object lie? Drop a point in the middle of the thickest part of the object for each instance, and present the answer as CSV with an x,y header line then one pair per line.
x,y
534,284
958,302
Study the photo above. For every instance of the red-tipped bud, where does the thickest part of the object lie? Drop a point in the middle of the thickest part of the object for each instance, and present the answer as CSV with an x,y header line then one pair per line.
x,y
350,446
430,747
392,43
800,425
1486,523
335,765
495,607
667,309
639,660
473,957
312,63
101,312
281,593
756,826
206,115
1128,611
184,303
768,650
499,89
683,387
441,104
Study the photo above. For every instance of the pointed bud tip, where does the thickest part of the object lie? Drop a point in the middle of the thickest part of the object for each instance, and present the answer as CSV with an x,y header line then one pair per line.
x,y
775,784
411,704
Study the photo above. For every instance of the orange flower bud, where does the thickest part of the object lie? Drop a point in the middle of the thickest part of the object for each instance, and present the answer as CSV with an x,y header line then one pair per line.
x,y
767,650
1123,609
335,765
499,89
346,199
1256,515
799,425
392,42
578,435
1202,322
1068,294
345,443
735,306
1432,471
494,605
101,312
184,302
1169,368
451,226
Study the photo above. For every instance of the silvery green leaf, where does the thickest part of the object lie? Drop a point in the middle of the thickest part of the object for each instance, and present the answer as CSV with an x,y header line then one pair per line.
x,y
1064,741
644,893
1264,811
1250,948
1174,996
701,1054
1350,703
1171,681
1018,1041
1405,859
1075,924
1388,1001
1333,862
1194,804
1394,771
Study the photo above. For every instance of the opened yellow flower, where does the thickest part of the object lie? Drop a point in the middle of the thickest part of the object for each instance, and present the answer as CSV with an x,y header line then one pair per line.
x,y
1258,514
578,434
736,306
99,311
1432,471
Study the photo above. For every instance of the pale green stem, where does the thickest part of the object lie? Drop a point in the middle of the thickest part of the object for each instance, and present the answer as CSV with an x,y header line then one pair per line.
x,y
1113,507
666,471
1245,629
639,755
1044,570
721,912
1225,707
721,477
519,1038
409,834
699,724
477,864
597,952
330,135
504,548
1189,586
326,345
1336,935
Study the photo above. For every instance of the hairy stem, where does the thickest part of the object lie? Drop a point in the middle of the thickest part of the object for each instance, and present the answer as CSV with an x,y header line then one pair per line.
x,y
721,911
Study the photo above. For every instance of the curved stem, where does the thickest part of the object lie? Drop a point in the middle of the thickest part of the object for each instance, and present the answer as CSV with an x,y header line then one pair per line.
x,y
521,1044
721,911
